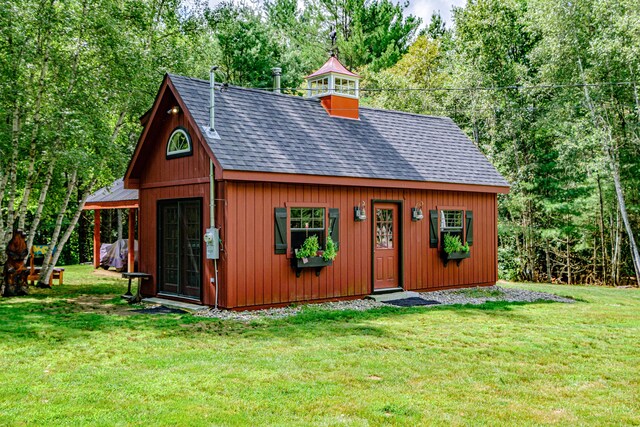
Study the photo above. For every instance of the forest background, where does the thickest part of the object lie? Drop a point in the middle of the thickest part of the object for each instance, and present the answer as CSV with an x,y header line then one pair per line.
x,y
547,90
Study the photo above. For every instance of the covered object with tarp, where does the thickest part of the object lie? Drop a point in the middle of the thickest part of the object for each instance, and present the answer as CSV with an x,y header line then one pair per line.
x,y
114,196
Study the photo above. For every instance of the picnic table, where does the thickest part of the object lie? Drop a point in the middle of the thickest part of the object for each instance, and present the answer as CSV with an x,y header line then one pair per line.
x,y
133,299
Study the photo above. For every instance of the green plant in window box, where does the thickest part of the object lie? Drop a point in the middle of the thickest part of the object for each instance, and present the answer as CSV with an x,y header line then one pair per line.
x,y
330,252
309,248
310,256
452,243
454,249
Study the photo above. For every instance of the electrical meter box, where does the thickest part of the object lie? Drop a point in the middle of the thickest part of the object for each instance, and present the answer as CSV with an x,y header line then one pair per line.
x,y
212,243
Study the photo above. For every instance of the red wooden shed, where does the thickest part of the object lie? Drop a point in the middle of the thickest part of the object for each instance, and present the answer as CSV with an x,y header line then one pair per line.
x,y
233,180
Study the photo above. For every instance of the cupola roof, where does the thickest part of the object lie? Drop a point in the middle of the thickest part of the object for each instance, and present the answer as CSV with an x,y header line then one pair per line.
x,y
332,66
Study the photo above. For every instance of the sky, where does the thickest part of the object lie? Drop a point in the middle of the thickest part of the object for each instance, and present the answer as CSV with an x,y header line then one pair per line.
x,y
420,8
424,9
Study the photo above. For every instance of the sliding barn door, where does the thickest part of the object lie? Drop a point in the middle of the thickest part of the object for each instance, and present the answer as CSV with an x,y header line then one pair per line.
x,y
180,250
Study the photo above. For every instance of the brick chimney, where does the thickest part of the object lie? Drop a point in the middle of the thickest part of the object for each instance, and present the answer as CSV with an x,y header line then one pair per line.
x,y
337,88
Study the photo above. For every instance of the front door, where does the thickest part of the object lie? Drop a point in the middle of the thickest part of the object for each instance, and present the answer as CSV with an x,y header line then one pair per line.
x,y
180,251
386,250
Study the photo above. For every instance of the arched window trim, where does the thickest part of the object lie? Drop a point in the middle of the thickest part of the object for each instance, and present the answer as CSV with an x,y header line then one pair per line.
x,y
179,153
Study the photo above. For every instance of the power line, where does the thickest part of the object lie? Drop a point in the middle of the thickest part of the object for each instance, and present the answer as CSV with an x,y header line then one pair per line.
x,y
466,89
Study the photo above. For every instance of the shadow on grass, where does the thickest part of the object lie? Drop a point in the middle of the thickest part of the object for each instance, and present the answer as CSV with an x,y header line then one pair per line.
x,y
53,316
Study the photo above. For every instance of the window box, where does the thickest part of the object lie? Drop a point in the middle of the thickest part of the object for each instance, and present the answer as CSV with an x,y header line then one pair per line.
x,y
316,262
454,256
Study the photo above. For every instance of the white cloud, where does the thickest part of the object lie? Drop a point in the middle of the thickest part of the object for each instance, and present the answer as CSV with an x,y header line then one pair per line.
x,y
425,8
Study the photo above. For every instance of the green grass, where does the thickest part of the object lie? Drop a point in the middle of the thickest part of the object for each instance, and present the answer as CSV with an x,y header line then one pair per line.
x,y
480,292
497,364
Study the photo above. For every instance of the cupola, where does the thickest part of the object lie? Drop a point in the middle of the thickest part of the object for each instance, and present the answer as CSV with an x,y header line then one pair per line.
x,y
337,88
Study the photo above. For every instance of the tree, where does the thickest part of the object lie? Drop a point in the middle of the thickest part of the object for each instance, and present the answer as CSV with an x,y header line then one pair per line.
x,y
374,33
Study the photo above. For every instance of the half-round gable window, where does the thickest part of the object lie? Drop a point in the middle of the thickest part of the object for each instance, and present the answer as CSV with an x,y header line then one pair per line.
x,y
179,144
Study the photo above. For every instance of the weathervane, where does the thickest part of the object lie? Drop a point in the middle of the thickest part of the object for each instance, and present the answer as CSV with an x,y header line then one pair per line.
x,y
332,36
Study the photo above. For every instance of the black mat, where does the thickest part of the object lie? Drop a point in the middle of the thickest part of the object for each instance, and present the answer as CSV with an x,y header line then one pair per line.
x,y
411,302
159,310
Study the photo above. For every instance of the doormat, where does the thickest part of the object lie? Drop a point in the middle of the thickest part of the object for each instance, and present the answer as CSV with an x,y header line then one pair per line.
x,y
411,302
159,310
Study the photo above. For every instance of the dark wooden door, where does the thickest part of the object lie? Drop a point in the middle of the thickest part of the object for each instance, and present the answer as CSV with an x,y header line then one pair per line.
x,y
386,247
180,249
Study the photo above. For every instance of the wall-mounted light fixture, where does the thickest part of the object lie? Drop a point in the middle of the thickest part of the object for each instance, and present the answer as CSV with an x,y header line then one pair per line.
x,y
173,110
360,212
416,213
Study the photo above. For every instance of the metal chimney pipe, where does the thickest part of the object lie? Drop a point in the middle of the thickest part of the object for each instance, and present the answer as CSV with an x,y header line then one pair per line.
x,y
276,72
212,97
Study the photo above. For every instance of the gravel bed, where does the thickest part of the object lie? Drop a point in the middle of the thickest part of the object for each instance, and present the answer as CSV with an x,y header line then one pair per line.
x,y
481,295
278,313
472,296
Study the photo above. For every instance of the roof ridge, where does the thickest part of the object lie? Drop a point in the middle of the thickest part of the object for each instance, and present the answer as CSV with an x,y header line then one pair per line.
x,y
302,98
249,89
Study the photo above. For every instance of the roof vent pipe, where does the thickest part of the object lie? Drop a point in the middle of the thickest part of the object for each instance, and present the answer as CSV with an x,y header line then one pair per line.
x,y
211,132
276,72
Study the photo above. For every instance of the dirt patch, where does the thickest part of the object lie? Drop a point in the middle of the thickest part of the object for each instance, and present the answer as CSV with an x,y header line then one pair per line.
x,y
99,304
107,273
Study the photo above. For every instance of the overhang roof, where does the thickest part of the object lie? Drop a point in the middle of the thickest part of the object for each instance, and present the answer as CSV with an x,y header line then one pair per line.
x,y
262,131
332,66
113,196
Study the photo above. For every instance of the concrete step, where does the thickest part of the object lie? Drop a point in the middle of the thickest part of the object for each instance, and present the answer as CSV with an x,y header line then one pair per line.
x,y
191,308
392,296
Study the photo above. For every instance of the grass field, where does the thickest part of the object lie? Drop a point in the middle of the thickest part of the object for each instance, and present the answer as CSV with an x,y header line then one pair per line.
x,y
73,356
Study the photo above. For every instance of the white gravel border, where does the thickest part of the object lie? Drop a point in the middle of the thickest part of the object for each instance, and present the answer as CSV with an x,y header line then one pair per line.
x,y
446,297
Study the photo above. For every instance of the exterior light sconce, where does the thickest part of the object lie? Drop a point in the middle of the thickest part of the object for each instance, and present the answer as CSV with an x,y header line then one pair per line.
x,y
360,212
416,213
173,110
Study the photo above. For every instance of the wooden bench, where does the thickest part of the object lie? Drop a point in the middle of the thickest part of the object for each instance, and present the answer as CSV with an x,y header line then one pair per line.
x,y
40,251
133,299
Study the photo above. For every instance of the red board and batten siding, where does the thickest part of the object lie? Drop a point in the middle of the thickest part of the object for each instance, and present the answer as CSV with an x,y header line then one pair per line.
x,y
257,276
164,179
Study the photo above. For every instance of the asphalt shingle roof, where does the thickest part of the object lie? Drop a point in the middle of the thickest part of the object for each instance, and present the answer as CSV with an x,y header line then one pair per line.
x,y
262,131
113,193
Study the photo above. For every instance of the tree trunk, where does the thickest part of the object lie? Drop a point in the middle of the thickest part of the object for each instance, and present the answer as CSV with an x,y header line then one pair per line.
x,y
53,244
607,148
13,175
22,210
46,273
601,224
615,259
120,219
548,261
3,184
43,196
569,281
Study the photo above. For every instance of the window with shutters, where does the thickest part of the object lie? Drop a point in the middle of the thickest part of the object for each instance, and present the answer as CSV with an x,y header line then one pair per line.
x,y
294,223
454,221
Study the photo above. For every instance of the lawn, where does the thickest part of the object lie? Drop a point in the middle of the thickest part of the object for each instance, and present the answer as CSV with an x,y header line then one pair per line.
x,y
72,356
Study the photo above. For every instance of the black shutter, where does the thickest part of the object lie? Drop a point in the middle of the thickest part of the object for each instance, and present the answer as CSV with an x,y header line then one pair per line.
x,y
281,230
433,229
469,227
334,226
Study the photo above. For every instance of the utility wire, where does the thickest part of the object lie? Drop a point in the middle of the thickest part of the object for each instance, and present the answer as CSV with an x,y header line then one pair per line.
x,y
464,89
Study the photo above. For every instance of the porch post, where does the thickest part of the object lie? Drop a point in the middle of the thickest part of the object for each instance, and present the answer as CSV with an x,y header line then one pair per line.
x,y
96,238
132,241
